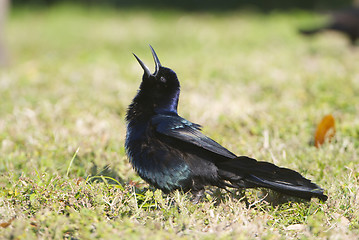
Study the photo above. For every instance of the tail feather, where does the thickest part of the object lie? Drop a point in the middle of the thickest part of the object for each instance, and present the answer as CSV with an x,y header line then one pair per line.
x,y
249,173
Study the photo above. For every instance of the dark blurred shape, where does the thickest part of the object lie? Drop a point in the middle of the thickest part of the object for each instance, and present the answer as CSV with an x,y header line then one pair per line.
x,y
203,5
345,21
4,5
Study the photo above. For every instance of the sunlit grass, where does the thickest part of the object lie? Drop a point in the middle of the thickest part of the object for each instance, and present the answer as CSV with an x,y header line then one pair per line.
x,y
255,85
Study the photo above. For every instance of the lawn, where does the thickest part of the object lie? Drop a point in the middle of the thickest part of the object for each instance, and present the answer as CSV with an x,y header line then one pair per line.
x,y
255,84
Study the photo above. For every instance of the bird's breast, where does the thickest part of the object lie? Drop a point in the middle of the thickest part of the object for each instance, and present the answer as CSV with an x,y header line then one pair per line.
x,y
155,161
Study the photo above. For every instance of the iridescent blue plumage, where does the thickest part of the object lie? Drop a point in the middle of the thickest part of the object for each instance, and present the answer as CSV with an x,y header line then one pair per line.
x,y
170,152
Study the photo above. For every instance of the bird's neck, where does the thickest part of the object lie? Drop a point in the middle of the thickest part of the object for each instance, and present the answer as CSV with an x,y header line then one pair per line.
x,y
142,109
168,105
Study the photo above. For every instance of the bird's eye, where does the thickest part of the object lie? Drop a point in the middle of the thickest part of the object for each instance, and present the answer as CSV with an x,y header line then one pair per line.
x,y
163,80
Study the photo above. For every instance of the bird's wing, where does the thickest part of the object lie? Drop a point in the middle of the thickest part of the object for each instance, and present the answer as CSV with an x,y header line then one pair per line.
x,y
185,131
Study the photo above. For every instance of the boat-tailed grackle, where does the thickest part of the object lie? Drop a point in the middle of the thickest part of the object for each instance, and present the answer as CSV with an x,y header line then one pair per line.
x,y
170,152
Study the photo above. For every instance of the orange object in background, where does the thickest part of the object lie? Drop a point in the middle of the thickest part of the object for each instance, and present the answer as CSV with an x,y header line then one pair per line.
x,y
325,130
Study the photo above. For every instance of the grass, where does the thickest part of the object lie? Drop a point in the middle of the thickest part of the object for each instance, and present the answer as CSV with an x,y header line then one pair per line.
x,y
256,85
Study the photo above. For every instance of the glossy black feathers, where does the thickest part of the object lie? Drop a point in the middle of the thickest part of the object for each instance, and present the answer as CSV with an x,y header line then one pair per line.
x,y
170,152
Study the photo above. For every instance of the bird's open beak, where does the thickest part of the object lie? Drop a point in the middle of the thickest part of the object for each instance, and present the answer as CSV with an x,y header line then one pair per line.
x,y
157,61
144,67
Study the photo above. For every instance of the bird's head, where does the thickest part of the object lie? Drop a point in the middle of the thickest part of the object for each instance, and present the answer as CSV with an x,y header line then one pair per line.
x,y
159,91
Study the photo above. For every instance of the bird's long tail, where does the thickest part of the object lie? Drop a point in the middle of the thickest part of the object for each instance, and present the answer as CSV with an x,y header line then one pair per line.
x,y
245,172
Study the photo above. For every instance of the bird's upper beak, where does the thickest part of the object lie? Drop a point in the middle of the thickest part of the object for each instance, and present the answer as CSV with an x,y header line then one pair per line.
x,y
157,61
145,68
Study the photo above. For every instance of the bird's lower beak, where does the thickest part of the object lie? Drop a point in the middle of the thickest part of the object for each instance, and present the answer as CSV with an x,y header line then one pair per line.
x,y
144,67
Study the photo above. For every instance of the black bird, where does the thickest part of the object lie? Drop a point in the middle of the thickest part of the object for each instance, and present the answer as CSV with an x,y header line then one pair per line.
x,y
345,21
170,152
